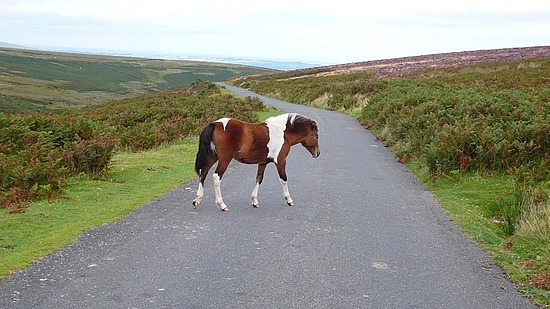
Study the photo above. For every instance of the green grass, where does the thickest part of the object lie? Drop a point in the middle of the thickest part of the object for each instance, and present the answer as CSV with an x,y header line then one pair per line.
x,y
135,179
270,111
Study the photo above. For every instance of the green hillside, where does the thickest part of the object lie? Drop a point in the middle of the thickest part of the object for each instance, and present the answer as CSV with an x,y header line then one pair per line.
x,y
33,81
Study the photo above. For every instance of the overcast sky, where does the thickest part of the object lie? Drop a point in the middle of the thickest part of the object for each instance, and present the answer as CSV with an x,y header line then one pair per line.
x,y
338,31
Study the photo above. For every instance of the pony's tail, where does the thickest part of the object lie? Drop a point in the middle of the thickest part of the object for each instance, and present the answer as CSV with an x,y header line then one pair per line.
x,y
205,150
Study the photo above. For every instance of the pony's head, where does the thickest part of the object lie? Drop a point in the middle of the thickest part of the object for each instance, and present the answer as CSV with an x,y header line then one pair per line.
x,y
309,132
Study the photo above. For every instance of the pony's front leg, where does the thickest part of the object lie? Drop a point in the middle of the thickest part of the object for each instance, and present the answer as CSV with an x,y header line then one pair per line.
x,y
259,179
281,168
218,191
254,196
286,193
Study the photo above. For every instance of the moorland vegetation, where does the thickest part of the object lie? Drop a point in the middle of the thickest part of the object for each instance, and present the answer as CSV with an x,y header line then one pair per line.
x,y
39,151
486,121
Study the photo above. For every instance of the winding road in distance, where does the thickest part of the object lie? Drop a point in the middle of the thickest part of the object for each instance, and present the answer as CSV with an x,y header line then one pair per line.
x,y
364,234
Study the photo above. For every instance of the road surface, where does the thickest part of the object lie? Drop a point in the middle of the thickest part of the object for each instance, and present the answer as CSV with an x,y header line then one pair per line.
x,y
364,234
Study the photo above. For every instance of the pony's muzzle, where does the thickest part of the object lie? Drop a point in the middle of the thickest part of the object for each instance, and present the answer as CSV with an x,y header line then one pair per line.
x,y
316,154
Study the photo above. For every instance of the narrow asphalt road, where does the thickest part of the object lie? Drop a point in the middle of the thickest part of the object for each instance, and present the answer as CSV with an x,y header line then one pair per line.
x,y
364,234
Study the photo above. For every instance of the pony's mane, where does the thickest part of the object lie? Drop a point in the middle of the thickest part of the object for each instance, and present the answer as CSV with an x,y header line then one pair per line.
x,y
293,119
300,120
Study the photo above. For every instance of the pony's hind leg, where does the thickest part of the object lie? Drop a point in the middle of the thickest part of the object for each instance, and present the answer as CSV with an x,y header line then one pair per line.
x,y
218,174
200,192
203,173
259,179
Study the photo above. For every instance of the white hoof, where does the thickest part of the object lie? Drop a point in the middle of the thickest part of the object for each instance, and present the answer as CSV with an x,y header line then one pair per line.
x,y
289,201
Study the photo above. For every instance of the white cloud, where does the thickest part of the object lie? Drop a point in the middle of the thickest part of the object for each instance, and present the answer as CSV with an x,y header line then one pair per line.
x,y
338,31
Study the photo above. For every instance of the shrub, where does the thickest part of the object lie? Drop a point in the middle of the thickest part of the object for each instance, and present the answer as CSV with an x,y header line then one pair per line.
x,y
39,151
488,117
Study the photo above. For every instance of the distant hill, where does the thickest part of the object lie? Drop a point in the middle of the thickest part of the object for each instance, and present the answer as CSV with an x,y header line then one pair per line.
x,y
32,80
397,67
268,64
9,45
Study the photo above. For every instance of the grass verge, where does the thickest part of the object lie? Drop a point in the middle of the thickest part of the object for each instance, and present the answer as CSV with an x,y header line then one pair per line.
x,y
134,179
472,201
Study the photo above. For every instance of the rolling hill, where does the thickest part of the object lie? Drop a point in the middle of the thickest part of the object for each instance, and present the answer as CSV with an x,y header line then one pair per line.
x,y
32,80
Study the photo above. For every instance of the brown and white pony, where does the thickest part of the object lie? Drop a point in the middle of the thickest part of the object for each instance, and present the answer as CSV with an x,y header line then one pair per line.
x,y
253,143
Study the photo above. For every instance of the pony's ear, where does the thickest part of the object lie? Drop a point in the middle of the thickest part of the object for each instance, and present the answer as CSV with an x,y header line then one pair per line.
x,y
314,126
